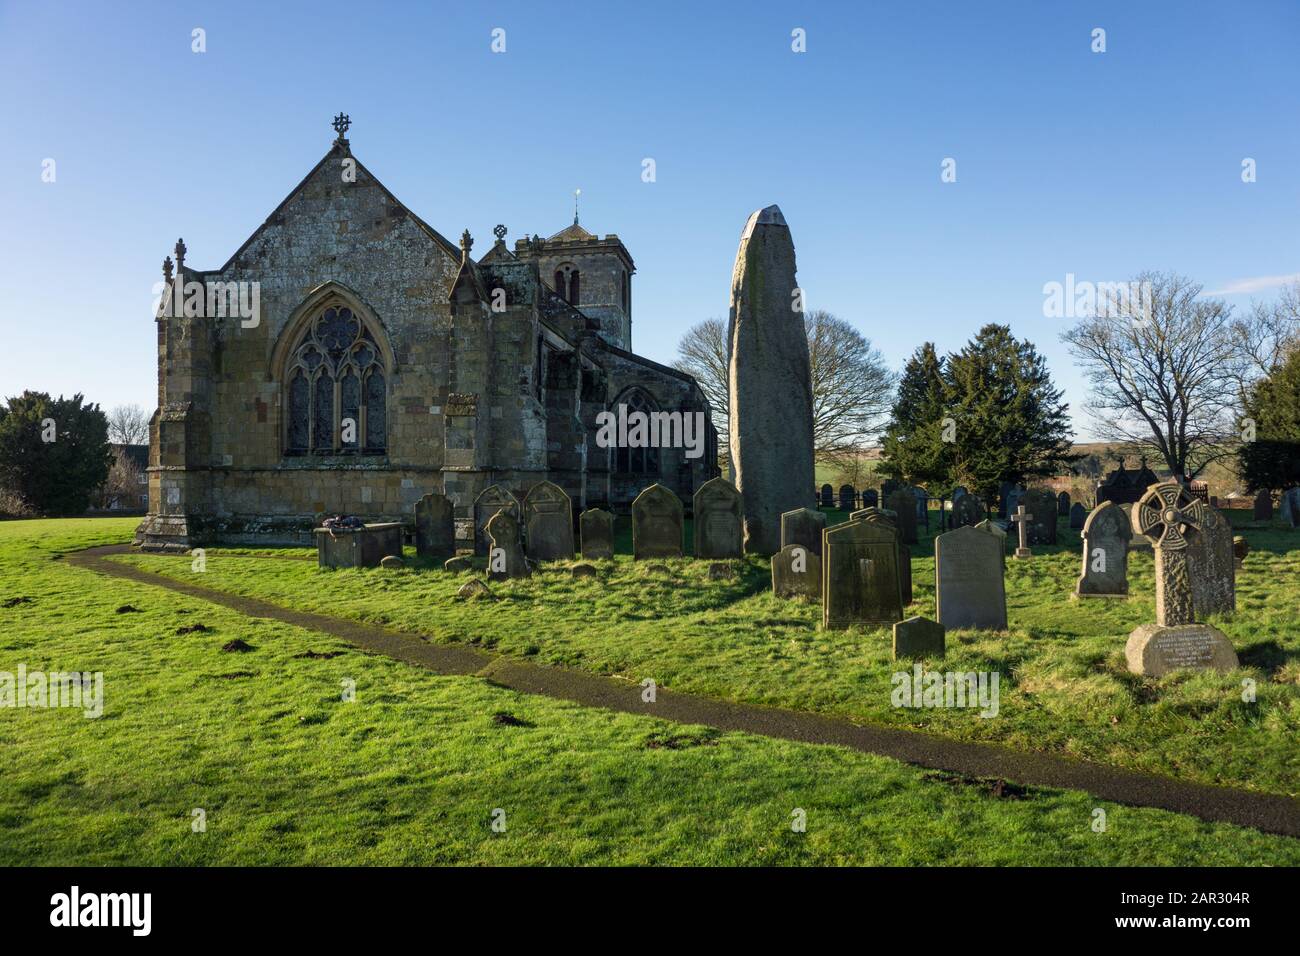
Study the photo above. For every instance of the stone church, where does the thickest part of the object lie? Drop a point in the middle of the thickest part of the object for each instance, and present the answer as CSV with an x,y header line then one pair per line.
x,y
381,362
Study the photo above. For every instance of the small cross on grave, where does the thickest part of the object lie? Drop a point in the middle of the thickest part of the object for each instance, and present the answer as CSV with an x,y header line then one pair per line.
x,y
1022,521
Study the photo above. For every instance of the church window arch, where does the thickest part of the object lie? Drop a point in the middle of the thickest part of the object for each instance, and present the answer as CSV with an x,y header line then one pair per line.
x,y
335,386
636,461
567,283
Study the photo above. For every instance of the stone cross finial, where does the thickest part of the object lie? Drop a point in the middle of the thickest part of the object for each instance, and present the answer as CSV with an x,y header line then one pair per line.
x,y
341,124
1022,521
500,232
167,268
466,243
1171,518
180,253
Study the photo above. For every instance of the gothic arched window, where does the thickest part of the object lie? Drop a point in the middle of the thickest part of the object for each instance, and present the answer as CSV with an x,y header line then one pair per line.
x,y
566,283
335,393
636,461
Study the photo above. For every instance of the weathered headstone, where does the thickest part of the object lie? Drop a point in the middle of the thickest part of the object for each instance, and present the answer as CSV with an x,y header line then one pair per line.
x,y
718,518
918,637
1264,505
989,526
1106,535
505,554
797,572
1021,520
770,376
1211,567
491,499
596,528
435,527
803,526
1041,505
870,499
827,497
922,507
860,575
846,498
889,520
1014,499
968,585
1171,518
1240,548
656,524
967,511
548,514
1291,506
903,504
1078,515
1063,505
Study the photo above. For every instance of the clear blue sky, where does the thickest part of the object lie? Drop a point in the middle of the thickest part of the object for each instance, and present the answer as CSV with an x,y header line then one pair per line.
x,y
1100,165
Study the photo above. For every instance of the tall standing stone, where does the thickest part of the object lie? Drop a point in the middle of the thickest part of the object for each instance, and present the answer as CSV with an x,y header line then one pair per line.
x,y
803,526
1106,536
860,575
968,585
656,524
770,409
718,519
548,522
435,527
596,528
1212,568
492,499
1041,505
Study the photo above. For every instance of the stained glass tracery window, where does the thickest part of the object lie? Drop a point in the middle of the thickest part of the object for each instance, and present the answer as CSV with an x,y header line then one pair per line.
x,y
335,392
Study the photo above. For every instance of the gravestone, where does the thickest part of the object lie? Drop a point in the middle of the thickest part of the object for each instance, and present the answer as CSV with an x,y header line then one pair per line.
x,y
1172,519
358,547
885,518
860,575
846,497
548,516
1014,498
870,499
1291,507
1078,515
656,524
1021,520
803,526
596,528
1264,506
888,487
989,526
1063,505
968,585
1211,567
435,527
958,492
967,511
770,378
797,572
1004,494
1041,505
922,507
1240,548
491,499
718,514
505,554
1106,535
828,497
918,637
903,504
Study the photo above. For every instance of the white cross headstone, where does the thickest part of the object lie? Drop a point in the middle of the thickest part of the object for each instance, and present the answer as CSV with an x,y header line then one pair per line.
x,y
1022,522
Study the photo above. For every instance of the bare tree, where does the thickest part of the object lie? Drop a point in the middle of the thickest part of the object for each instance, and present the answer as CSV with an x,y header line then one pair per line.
x,y
123,487
852,386
1265,336
128,425
1164,369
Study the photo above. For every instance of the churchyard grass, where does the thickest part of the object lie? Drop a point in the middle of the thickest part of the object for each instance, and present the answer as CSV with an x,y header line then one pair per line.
x,y
287,772
1064,685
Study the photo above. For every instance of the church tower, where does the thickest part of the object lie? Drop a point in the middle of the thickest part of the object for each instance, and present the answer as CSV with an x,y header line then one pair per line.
x,y
590,273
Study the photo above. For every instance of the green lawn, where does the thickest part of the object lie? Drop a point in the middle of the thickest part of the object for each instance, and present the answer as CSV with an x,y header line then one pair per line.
x,y
1065,688
411,772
